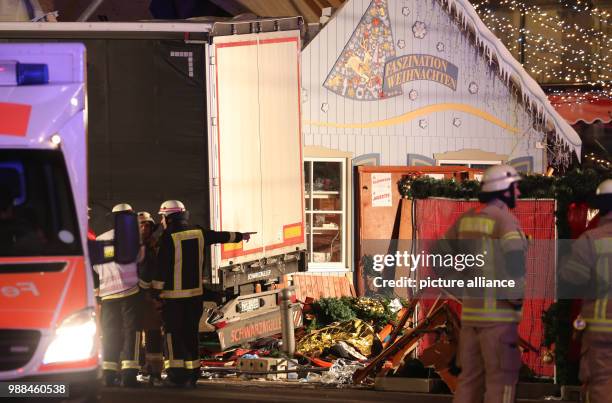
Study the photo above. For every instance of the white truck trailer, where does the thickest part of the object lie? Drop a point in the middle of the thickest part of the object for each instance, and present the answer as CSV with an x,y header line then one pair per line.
x,y
209,114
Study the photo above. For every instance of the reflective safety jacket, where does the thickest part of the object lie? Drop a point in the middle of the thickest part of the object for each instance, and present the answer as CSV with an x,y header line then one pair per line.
x,y
114,280
181,262
590,265
497,231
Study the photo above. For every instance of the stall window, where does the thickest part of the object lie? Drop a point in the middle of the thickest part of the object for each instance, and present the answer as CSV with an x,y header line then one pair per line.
x,y
469,164
325,211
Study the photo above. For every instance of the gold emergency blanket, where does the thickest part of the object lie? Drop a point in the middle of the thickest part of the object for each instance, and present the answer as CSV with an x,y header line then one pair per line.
x,y
355,332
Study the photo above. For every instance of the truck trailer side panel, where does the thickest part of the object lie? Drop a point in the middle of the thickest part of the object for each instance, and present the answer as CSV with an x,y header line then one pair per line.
x,y
260,181
147,126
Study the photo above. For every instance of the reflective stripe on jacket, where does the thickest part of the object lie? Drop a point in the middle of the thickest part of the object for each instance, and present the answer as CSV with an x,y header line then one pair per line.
x,y
115,280
180,264
497,231
590,265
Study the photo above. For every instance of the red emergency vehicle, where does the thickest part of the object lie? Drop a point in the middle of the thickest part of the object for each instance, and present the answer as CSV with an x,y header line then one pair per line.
x,y
48,329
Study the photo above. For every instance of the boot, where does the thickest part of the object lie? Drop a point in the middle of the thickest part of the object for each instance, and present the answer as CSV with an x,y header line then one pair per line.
x,y
109,378
193,378
155,380
128,378
176,377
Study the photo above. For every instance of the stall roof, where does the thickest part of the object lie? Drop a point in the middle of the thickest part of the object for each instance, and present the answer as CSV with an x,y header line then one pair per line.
x,y
585,108
309,9
510,69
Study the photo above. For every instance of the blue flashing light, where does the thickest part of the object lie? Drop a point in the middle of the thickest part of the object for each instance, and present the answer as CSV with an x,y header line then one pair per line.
x,y
32,74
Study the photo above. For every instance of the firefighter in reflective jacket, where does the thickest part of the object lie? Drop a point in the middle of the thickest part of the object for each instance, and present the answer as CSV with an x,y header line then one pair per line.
x,y
151,318
589,271
117,285
488,347
178,281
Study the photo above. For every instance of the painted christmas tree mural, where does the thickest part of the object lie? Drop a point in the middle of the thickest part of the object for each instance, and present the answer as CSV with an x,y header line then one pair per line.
x,y
359,71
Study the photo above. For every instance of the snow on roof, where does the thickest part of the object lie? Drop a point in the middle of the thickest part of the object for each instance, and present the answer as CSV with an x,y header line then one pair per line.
x,y
511,69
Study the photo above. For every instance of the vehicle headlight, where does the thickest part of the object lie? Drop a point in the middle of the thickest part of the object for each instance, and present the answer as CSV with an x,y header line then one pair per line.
x,y
74,339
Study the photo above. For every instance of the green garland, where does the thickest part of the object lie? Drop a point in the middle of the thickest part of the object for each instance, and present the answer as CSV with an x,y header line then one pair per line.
x,y
329,310
376,311
577,185
558,331
574,187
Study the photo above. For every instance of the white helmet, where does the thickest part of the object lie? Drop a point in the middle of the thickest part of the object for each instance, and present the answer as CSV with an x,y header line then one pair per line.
x,y
170,207
144,216
122,207
604,188
499,178
603,197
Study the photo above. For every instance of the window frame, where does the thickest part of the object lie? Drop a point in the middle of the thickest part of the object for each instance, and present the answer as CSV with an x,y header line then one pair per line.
x,y
309,213
469,163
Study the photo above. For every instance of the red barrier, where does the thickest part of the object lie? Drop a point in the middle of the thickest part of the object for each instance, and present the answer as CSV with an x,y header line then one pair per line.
x,y
434,216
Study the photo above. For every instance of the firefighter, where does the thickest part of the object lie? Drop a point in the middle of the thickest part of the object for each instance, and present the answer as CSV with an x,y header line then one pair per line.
x,y
589,271
178,282
488,347
117,288
151,324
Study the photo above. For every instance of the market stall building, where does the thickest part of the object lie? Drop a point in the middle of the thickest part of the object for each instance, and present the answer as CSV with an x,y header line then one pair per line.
x,y
412,82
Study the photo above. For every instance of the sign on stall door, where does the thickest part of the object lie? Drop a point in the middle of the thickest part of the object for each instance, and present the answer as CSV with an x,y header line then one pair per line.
x,y
381,190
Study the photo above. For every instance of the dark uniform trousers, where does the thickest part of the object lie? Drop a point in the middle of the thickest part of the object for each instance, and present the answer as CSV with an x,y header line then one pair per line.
x,y
488,344
153,361
181,317
151,325
596,367
153,351
178,280
121,336
490,361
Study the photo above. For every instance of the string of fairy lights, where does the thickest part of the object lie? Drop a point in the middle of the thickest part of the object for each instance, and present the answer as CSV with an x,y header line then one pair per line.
x,y
543,43
595,159
558,23
561,50
570,42
584,7
552,58
504,24
553,21
575,96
